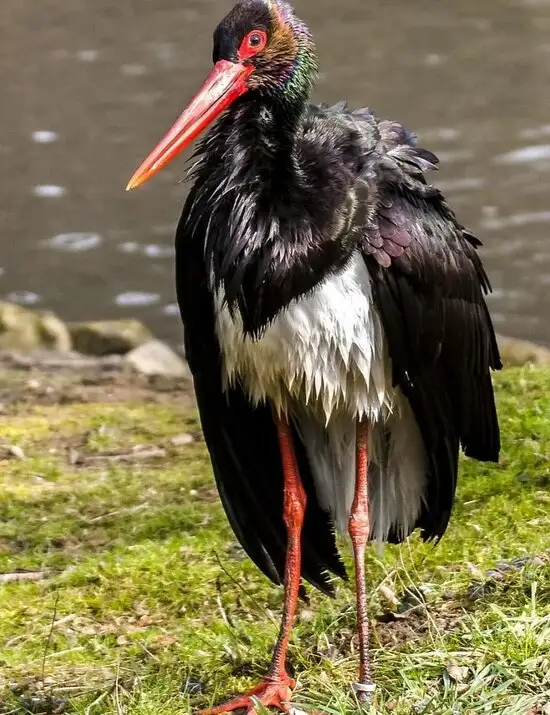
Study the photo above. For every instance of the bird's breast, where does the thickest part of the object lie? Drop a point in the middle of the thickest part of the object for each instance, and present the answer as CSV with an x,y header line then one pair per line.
x,y
325,351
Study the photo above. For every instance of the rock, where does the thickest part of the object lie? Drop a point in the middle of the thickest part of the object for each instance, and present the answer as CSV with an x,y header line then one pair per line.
x,y
48,704
521,352
24,329
14,450
108,337
181,440
54,333
156,358
388,595
456,673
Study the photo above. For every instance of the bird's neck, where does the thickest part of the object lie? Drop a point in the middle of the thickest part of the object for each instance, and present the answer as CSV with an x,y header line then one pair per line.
x,y
267,209
259,140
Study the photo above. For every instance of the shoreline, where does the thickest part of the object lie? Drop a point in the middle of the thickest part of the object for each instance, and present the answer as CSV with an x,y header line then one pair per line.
x,y
41,340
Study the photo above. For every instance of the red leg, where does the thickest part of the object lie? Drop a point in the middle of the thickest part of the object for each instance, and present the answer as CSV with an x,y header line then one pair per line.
x,y
359,530
275,689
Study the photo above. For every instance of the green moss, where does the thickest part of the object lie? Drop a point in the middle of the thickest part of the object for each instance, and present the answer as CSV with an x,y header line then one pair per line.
x,y
142,604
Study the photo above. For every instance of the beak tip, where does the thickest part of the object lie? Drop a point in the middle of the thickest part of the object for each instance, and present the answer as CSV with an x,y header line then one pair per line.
x,y
223,86
133,183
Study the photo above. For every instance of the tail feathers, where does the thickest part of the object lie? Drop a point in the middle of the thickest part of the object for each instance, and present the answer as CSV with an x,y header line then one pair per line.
x,y
397,469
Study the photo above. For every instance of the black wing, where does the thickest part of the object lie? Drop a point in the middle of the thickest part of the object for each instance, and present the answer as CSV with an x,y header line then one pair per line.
x,y
429,287
242,439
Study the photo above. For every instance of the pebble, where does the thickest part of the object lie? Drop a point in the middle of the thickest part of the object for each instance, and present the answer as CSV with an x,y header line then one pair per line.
x,y
14,450
181,440
156,358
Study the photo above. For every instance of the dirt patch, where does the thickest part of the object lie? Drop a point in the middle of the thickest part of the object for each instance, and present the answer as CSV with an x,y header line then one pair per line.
x,y
398,630
43,379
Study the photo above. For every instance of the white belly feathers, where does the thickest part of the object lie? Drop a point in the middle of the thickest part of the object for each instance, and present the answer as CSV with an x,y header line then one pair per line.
x,y
325,350
324,361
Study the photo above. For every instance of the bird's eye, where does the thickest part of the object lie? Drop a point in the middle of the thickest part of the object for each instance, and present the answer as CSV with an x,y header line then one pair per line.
x,y
255,39
253,43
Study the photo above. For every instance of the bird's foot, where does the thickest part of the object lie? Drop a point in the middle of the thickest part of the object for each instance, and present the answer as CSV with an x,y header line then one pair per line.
x,y
271,692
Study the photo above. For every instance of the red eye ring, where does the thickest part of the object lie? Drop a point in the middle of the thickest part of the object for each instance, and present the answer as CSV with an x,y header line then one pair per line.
x,y
253,43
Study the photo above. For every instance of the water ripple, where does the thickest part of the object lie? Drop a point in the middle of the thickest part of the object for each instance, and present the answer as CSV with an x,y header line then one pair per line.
x,y
129,247
134,70
44,136
74,242
49,191
23,297
137,298
465,184
171,309
450,156
535,132
152,250
87,55
525,155
519,219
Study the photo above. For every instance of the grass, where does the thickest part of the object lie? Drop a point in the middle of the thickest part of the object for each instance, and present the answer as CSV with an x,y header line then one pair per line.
x,y
147,606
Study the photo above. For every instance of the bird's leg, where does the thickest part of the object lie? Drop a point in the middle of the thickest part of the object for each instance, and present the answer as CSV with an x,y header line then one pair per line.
x,y
359,531
276,687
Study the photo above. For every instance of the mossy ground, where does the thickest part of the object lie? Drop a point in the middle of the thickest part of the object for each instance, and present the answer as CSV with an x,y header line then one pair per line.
x,y
148,606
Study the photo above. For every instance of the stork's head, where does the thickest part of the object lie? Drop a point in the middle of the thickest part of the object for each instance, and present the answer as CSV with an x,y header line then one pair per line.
x,y
262,50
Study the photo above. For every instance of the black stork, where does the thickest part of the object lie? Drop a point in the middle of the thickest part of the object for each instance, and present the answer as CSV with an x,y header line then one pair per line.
x,y
334,316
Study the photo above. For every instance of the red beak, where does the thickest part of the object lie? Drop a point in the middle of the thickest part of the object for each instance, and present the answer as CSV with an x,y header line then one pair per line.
x,y
222,87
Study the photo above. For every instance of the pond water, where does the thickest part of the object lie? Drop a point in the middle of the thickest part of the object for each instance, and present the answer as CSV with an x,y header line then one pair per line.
x,y
88,87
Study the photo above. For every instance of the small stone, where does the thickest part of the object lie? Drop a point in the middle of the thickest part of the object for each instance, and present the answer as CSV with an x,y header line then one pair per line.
x,y
54,334
73,456
108,337
181,440
521,561
48,705
388,595
456,673
14,450
479,590
156,358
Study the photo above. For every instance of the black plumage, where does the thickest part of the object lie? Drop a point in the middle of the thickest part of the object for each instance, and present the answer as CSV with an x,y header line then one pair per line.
x,y
428,285
242,440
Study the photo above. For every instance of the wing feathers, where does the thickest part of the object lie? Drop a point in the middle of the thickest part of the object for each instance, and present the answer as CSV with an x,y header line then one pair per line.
x,y
429,285
242,441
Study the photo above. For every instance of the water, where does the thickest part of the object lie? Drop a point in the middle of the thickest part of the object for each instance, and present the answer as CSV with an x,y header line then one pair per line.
x,y
89,87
